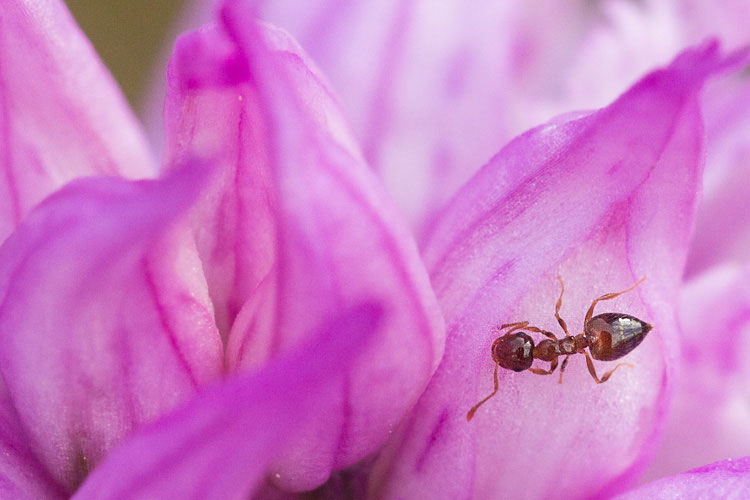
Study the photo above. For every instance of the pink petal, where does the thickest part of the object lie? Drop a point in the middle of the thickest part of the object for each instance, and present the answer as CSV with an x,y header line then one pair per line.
x,y
414,77
711,392
61,114
602,200
722,229
219,445
105,317
434,90
725,480
296,229
22,477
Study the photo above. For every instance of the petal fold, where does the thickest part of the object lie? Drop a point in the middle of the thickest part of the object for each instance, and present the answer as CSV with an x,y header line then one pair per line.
x,y
61,113
219,445
602,200
298,228
725,480
711,390
105,318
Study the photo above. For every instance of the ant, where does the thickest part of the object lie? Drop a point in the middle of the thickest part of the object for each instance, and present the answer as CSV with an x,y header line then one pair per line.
x,y
608,336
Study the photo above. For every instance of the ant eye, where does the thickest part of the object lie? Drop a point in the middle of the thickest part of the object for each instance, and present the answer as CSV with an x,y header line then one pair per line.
x,y
514,352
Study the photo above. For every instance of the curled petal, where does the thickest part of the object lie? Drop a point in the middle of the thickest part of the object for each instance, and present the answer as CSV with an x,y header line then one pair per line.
x,y
725,480
601,199
711,391
61,114
104,315
219,445
212,110
296,229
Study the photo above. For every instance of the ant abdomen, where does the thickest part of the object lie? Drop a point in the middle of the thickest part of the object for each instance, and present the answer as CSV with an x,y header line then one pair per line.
x,y
613,335
514,352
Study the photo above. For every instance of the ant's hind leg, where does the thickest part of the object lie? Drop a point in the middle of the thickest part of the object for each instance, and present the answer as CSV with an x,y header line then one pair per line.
x,y
609,296
539,371
608,374
474,408
558,305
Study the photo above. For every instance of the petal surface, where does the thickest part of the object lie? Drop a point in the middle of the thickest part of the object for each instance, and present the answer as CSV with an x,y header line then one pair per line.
x,y
725,480
219,445
711,391
105,319
601,199
61,114
296,229
22,476
722,226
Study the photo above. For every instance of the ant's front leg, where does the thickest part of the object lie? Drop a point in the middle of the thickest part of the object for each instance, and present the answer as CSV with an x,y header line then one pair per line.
x,y
524,325
513,327
539,371
539,330
474,408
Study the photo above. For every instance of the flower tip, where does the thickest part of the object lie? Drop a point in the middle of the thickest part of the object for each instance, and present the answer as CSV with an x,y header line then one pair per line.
x,y
707,58
205,58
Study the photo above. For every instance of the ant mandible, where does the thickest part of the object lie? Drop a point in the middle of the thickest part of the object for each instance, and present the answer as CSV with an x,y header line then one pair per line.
x,y
608,336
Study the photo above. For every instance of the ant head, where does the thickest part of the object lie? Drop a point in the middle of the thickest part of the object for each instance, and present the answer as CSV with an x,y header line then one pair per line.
x,y
514,351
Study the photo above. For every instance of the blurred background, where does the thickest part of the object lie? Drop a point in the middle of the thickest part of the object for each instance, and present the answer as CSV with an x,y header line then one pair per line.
x,y
110,26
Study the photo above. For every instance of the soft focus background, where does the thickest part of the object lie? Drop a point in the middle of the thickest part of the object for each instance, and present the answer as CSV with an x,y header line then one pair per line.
x,y
110,26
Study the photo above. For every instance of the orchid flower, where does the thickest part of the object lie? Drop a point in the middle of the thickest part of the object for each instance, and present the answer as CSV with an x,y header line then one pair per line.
x,y
257,320
122,301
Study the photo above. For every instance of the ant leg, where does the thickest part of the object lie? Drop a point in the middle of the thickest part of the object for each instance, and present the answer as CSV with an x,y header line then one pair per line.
x,y
606,376
609,296
524,325
562,368
520,324
513,327
474,408
539,371
557,308
539,330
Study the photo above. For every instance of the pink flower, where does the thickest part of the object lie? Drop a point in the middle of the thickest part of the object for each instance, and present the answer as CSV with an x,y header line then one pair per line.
x,y
258,321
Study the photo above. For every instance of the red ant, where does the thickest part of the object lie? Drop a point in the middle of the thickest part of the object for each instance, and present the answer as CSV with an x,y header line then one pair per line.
x,y
608,336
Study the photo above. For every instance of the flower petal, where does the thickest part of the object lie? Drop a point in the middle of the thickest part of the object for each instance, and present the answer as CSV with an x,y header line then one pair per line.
x,y
297,229
61,114
105,317
711,391
725,480
601,199
414,77
722,226
22,477
219,445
